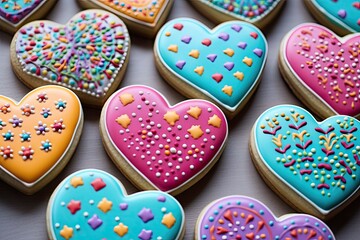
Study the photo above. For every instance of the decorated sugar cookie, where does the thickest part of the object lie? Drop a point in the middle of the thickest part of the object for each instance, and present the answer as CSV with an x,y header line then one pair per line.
x,y
313,166
88,55
39,134
259,13
158,146
143,17
322,69
240,217
223,65
342,16
92,204
15,13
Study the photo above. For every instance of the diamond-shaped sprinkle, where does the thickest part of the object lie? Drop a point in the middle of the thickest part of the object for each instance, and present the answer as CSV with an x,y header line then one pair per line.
x,y
95,222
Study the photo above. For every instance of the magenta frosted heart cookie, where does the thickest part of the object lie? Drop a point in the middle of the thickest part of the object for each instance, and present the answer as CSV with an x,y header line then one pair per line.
x,y
143,17
240,217
88,55
158,146
223,65
322,69
92,204
342,16
259,13
313,166
15,13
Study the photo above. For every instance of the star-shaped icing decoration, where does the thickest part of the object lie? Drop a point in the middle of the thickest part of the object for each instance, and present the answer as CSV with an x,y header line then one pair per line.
x,y
124,120
121,229
228,90
168,220
145,234
215,121
105,205
76,181
126,98
171,117
146,215
67,232
239,75
195,131
194,112
74,206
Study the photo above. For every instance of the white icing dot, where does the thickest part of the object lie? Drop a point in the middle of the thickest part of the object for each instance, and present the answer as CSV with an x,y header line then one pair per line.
x,y
212,147
86,214
207,130
158,174
62,204
192,166
173,150
209,110
179,127
57,225
117,218
77,226
91,202
186,117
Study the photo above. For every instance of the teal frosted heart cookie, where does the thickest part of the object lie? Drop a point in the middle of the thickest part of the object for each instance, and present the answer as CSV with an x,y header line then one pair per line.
x,y
93,204
342,16
222,65
313,165
259,13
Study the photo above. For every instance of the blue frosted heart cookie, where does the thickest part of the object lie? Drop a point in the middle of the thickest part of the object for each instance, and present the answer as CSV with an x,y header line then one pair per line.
x,y
222,65
92,204
259,13
314,166
342,16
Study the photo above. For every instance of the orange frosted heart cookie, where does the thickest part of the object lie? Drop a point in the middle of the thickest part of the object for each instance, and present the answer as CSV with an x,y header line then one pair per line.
x,y
144,17
38,136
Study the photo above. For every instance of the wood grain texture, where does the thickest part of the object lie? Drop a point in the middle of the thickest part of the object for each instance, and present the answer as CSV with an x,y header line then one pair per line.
x,y
23,217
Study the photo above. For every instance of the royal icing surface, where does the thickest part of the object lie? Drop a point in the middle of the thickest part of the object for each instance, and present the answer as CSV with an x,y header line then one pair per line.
x,y
248,10
343,13
224,63
147,11
85,55
320,161
240,217
13,11
167,145
327,65
92,203
37,131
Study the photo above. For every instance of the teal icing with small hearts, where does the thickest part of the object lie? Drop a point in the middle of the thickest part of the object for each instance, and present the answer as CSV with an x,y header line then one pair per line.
x,y
343,13
224,63
92,203
319,161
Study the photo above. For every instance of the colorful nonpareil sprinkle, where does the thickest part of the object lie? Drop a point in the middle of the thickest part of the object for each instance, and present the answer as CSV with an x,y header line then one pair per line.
x,y
78,210
85,55
14,11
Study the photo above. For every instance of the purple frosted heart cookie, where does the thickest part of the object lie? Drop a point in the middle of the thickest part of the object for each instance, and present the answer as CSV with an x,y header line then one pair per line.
x,y
240,217
16,13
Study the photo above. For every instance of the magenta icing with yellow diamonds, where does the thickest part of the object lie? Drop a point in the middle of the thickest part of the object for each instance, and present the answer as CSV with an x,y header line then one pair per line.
x,y
14,11
319,160
326,64
224,63
342,13
94,203
248,10
85,55
240,217
167,145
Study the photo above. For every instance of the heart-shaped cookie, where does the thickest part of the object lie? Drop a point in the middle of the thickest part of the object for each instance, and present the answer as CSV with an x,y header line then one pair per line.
x,y
322,69
88,55
240,217
92,204
313,165
222,65
144,17
39,134
15,13
158,146
342,16
259,13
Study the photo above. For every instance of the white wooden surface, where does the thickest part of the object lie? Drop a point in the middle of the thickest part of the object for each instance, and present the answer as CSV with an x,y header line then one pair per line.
x,y
23,217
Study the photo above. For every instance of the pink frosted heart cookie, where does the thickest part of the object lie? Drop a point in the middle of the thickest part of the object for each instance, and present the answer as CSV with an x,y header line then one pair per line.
x,y
89,54
322,69
143,17
158,146
16,13
239,217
